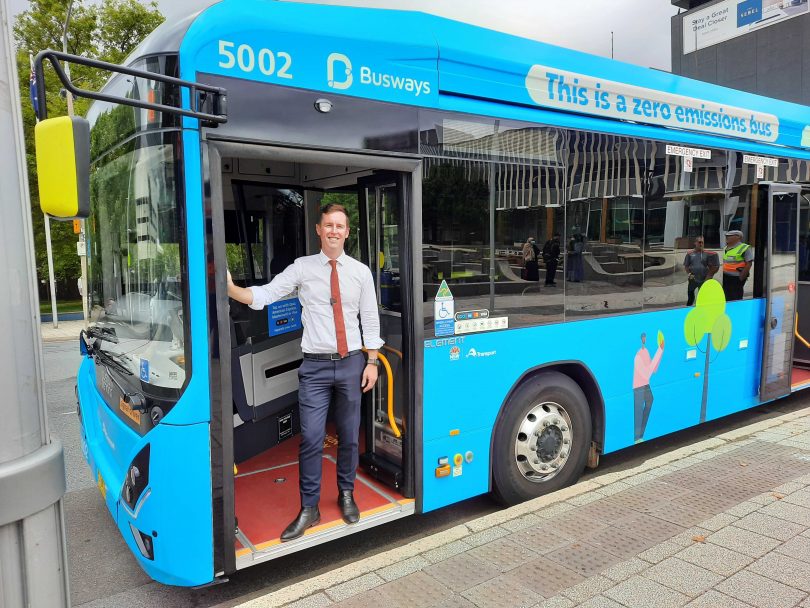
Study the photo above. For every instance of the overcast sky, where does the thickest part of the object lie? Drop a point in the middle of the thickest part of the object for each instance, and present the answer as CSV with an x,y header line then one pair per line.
x,y
641,27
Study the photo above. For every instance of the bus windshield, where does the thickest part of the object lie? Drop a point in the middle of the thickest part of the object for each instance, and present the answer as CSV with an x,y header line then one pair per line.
x,y
134,256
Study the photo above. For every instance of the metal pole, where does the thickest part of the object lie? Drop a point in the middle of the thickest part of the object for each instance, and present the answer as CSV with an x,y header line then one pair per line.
x,y
68,94
51,279
82,233
32,473
492,201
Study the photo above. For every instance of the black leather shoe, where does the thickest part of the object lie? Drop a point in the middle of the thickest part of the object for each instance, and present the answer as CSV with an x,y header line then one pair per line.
x,y
348,508
307,517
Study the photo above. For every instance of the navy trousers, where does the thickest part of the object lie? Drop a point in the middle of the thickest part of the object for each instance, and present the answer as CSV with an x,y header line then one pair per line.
x,y
318,382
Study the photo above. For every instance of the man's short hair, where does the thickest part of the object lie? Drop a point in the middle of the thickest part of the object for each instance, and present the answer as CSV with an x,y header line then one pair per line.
x,y
333,208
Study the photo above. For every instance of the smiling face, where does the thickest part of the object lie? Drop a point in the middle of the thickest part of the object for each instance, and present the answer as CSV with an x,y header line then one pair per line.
x,y
333,232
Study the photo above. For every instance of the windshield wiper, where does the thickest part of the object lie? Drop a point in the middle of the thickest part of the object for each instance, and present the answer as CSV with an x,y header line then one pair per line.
x,y
102,333
111,360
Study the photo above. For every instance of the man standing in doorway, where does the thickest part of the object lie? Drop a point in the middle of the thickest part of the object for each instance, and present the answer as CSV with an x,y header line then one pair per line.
x,y
700,265
737,260
338,295
643,368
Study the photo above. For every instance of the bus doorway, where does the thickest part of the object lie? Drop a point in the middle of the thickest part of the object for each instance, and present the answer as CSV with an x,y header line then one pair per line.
x,y
270,206
801,350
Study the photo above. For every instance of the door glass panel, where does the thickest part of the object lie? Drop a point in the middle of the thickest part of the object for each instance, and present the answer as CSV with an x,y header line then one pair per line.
x,y
381,206
781,283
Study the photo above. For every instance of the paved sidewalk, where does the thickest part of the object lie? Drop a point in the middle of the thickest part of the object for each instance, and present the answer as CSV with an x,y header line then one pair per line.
x,y
721,523
67,330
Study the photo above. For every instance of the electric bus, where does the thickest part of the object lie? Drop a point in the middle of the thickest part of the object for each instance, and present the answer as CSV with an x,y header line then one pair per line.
x,y
452,146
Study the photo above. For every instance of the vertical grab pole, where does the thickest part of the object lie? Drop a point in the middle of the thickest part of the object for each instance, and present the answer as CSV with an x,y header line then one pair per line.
x,y
32,473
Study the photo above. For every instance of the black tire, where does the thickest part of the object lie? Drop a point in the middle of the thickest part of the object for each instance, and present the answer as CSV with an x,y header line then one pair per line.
x,y
550,397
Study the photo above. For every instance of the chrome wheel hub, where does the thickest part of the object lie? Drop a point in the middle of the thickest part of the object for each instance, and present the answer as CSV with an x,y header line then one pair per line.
x,y
543,441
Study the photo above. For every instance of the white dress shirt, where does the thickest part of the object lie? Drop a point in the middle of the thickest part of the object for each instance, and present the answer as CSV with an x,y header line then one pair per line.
x,y
311,276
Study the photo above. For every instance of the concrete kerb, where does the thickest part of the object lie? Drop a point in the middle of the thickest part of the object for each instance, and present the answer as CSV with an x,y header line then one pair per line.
x,y
346,573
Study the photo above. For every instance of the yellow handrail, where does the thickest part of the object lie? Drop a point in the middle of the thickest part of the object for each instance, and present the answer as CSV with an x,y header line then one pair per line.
x,y
797,334
391,422
390,374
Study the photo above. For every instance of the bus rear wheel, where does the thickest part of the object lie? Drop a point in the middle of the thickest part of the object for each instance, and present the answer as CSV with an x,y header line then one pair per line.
x,y
541,439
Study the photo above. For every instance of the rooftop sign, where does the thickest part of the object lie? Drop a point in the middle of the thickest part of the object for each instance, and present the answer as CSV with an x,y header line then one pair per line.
x,y
731,18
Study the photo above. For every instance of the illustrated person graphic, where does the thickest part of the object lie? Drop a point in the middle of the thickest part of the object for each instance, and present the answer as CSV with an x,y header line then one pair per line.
x,y
643,368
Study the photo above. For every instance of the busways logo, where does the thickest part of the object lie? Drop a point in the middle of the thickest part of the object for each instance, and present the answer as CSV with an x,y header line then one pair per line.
x,y
339,75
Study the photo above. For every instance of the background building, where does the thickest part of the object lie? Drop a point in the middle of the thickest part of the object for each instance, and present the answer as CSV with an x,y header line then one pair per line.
x,y
760,46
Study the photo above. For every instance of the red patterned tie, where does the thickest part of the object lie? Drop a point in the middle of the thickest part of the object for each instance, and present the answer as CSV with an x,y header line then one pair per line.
x,y
337,309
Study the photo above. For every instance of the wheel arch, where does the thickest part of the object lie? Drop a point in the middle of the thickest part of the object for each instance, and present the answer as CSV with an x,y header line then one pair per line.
x,y
579,373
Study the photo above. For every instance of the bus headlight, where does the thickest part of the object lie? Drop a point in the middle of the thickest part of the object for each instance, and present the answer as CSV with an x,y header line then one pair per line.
x,y
137,478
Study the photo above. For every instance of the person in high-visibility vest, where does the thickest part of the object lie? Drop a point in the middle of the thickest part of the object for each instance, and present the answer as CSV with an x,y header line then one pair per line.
x,y
737,260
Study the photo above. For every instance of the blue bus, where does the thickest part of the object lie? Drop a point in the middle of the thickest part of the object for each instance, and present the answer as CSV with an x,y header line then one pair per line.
x,y
526,212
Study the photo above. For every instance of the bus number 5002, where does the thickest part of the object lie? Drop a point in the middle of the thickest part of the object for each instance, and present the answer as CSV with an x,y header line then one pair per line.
x,y
248,60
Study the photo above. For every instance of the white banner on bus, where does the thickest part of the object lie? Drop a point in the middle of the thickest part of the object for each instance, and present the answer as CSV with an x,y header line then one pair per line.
x,y
760,160
731,18
689,152
559,89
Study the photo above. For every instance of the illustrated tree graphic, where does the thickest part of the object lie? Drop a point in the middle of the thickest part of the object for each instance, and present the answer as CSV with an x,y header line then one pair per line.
x,y
708,318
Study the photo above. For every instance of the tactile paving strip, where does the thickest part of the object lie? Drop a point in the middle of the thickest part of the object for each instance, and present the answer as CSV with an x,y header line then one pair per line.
x,y
575,526
735,491
648,526
540,539
497,593
712,503
637,501
685,479
583,558
504,553
605,510
462,572
621,543
680,515
416,590
544,576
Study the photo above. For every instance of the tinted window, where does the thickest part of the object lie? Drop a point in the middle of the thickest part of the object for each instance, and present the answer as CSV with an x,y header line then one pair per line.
x,y
684,225
604,225
455,235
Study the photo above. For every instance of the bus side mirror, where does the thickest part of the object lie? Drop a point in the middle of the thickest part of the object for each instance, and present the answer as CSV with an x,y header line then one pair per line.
x,y
63,166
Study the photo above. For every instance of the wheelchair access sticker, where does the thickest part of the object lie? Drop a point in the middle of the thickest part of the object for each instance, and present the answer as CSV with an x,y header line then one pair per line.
x,y
444,311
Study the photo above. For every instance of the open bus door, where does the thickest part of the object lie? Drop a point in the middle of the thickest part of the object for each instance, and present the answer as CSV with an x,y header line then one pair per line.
x,y
385,249
781,262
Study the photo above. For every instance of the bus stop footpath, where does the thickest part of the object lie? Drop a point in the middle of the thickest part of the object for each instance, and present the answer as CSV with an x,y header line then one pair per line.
x,y
721,523
67,330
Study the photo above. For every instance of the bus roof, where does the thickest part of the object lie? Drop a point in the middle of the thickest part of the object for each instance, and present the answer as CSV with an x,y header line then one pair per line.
x,y
421,59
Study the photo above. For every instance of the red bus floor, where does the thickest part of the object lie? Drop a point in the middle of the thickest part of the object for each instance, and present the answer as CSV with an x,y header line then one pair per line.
x,y
267,498
800,378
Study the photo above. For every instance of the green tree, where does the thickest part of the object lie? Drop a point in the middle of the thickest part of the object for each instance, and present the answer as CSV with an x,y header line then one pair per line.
x,y
108,31
708,319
